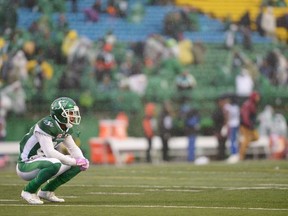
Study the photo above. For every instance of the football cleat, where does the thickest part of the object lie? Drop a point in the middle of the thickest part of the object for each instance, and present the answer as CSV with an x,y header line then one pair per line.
x,y
31,198
50,196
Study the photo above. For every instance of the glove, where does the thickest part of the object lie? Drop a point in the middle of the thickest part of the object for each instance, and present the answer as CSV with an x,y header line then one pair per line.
x,y
83,163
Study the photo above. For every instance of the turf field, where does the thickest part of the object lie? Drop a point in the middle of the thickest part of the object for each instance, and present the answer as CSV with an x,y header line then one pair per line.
x,y
247,188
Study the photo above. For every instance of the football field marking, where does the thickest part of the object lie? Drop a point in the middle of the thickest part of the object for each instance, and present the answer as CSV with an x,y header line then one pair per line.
x,y
8,200
194,188
114,193
146,206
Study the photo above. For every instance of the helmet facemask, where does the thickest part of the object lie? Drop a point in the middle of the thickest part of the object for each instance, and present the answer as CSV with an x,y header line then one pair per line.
x,y
72,115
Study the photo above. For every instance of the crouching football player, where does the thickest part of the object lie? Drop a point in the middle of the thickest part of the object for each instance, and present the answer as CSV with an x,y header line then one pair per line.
x,y
40,163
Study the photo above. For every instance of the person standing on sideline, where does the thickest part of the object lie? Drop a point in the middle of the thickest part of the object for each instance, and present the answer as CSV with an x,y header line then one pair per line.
x,y
165,126
192,124
248,117
232,111
149,127
220,127
40,163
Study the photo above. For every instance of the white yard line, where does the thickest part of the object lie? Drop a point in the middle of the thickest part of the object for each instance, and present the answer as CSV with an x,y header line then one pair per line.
x,y
148,206
172,190
8,200
114,193
192,187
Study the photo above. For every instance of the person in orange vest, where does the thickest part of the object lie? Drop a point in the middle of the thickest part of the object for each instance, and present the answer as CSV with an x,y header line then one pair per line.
x,y
149,127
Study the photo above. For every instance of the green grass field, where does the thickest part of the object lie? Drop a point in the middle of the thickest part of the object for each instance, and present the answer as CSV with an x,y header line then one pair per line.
x,y
247,188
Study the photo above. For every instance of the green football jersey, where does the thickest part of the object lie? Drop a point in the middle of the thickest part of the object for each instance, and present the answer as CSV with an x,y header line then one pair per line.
x,y
29,145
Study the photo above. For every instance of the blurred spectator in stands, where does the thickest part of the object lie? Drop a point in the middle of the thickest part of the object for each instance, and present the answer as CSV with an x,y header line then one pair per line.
x,y
39,71
227,22
70,39
131,74
110,37
165,125
268,23
258,22
172,49
6,103
245,20
60,30
278,137
272,61
3,158
192,128
19,63
43,33
122,8
97,6
74,6
230,36
245,29
274,67
282,69
13,98
137,83
62,23
105,62
198,51
149,124
80,53
185,82
246,38
173,25
176,22
137,12
232,112
8,16
107,85
265,69
92,13
111,7
244,84
248,117
38,76
2,126
153,49
265,119
220,126
186,56
7,69
29,48
189,19
282,22
125,67
79,61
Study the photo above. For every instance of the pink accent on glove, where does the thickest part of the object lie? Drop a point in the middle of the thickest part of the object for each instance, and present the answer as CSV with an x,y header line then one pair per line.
x,y
83,163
